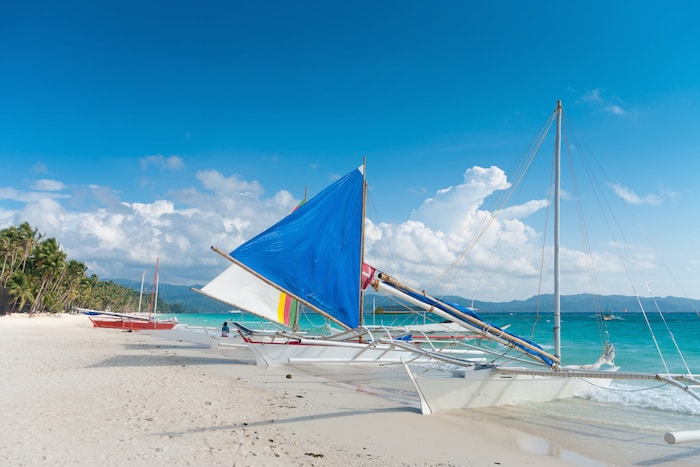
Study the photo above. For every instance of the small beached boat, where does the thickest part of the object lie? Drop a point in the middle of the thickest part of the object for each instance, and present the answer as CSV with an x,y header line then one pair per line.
x,y
105,319
130,321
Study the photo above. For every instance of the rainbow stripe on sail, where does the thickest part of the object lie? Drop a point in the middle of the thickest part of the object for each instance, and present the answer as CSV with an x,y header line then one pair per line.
x,y
287,310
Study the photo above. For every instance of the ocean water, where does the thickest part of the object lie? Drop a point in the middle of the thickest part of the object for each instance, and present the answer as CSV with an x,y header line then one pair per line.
x,y
657,344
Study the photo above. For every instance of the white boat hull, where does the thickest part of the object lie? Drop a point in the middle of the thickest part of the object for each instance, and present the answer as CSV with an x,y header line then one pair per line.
x,y
488,388
377,347
315,351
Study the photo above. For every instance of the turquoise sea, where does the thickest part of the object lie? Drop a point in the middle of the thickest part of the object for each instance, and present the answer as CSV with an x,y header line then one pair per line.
x,y
667,344
582,334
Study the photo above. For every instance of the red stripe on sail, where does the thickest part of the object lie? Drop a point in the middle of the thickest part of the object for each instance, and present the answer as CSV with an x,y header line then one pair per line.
x,y
367,275
287,306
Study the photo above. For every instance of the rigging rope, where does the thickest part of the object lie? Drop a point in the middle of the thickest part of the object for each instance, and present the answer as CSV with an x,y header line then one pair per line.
x,y
586,246
653,336
673,339
616,231
502,199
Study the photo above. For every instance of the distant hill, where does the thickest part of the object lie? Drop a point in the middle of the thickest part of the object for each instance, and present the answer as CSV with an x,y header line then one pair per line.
x,y
181,295
580,303
192,302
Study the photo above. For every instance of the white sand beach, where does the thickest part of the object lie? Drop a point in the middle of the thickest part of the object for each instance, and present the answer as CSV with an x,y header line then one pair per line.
x,y
76,395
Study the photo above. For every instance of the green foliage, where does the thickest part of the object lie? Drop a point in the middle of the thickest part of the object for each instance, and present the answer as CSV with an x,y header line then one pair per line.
x,y
40,278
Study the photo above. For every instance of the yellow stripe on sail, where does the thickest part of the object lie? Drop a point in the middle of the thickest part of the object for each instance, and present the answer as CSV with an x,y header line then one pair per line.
x,y
283,309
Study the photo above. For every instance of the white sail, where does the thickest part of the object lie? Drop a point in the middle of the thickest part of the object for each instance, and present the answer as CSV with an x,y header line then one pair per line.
x,y
239,288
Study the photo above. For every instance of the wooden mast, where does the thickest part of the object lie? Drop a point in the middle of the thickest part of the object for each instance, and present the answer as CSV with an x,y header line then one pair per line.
x,y
154,292
362,240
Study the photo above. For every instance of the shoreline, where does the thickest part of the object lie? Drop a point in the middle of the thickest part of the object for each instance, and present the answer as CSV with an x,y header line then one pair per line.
x,y
75,394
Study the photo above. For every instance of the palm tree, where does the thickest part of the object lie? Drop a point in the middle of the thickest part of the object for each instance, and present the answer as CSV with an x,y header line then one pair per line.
x,y
49,260
22,289
67,286
37,273
4,248
19,244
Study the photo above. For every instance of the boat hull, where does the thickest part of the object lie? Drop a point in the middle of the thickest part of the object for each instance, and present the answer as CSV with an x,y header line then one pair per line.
x,y
489,388
132,324
313,351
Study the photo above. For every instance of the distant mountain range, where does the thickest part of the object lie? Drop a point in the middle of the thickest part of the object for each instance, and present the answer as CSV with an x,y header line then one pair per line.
x,y
580,303
193,302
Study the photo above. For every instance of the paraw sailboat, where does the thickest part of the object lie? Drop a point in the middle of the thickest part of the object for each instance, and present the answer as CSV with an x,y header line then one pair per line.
x,y
542,377
314,257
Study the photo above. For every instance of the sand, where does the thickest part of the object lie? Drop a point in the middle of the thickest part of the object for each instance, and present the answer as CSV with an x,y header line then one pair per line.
x,y
72,394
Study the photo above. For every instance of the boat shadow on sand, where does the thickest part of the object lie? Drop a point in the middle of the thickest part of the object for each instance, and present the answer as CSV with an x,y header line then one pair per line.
x,y
164,360
350,412
167,346
672,458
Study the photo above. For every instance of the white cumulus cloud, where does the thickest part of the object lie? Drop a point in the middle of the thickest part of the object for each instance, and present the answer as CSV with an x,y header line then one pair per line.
x,y
162,162
48,185
454,242
631,197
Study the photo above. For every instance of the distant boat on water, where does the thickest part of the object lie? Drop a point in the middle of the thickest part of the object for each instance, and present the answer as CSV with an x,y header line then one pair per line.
x,y
611,317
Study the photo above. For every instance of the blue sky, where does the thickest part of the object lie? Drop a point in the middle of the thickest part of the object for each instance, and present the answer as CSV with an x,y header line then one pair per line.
x,y
130,130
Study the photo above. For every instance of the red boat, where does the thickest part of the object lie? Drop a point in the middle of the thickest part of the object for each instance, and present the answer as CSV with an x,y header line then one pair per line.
x,y
101,319
107,319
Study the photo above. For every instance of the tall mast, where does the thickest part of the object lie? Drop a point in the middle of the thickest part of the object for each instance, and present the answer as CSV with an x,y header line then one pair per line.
x,y
362,239
296,305
155,301
143,278
557,183
154,292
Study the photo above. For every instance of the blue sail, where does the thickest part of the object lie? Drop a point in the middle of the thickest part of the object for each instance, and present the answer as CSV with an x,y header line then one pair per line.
x,y
315,252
